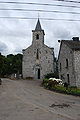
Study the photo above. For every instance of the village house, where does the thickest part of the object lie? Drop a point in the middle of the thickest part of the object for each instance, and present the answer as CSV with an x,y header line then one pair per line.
x,y
38,59
69,61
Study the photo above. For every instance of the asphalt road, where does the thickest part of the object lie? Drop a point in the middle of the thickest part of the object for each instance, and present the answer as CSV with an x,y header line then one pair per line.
x,y
27,100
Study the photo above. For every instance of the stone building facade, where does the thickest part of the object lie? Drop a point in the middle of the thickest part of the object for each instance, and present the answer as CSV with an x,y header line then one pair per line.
x,y
38,59
69,61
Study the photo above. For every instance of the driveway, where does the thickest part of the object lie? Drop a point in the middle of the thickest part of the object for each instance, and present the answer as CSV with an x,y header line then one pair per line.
x,y
27,100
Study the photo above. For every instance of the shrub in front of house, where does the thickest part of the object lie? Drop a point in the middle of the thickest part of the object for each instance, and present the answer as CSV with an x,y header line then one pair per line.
x,y
51,75
45,83
50,83
53,84
29,78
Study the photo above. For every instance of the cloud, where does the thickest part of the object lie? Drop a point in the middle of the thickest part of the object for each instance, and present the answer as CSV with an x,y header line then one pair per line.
x,y
62,33
3,47
16,34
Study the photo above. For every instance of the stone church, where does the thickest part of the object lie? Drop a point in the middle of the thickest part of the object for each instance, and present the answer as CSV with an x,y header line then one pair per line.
x,y
38,59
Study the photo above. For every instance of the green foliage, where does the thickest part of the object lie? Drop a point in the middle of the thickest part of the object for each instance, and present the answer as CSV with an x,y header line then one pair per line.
x,y
52,75
52,85
29,78
10,64
45,83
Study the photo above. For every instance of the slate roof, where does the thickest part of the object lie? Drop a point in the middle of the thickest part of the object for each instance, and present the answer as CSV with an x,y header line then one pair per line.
x,y
74,45
38,25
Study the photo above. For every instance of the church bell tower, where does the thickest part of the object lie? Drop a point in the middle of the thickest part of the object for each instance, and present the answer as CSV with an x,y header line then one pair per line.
x,y
38,35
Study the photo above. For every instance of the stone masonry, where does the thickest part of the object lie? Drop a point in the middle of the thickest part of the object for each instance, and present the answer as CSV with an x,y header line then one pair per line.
x,y
38,59
69,62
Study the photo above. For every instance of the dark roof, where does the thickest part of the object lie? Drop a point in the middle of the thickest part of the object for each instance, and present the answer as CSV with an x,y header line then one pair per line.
x,y
74,45
38,25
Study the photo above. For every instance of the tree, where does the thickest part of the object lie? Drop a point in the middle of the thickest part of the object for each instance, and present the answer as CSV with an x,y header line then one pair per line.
x,y
10,64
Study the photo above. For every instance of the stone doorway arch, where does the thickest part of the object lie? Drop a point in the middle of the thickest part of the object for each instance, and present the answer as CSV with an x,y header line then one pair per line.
x,y
37,71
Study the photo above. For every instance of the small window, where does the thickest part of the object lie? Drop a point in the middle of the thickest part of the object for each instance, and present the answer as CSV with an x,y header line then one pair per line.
x,y
46,52
61,77
40,52
37,55
48,61
66,63
37,36
60,67
68,79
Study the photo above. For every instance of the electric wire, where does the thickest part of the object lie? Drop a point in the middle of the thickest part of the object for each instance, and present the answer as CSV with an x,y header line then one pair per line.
x,y
69,1
40,4
51,19
30,10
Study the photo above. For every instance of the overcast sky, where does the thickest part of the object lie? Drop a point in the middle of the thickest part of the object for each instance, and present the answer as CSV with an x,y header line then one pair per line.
x,y
16,34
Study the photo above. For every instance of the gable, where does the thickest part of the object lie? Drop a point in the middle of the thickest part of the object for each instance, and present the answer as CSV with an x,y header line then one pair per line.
x,y
48,48
27,49
64,50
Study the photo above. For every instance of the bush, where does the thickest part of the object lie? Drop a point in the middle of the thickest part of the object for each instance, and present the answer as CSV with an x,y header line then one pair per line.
x,y
45,82
49,83
53,85
29,78
51,75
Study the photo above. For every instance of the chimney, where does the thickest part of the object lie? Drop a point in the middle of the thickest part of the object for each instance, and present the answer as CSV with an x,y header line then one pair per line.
x,y
75,38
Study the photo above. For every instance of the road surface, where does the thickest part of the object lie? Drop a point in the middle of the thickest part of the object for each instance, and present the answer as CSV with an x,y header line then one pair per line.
x,y
27,100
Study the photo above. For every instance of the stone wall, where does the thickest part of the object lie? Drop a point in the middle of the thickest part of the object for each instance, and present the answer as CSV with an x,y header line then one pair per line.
x,y
27,64
66,53
77,67
45,62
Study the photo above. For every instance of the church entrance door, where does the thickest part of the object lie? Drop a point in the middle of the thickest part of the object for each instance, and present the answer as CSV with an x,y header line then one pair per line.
x,y
38,73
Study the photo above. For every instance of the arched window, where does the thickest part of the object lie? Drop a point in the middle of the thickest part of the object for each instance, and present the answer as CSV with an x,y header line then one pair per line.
x,y
37,55
37,36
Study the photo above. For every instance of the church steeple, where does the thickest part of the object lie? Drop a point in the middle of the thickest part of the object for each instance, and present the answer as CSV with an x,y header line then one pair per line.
x,y
38,25
38,35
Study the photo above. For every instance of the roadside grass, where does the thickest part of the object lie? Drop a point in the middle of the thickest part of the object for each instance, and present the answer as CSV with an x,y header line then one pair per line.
x,y
69,90
61,89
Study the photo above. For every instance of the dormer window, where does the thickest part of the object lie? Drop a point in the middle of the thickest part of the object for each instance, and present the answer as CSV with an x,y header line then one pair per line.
x,y
37,36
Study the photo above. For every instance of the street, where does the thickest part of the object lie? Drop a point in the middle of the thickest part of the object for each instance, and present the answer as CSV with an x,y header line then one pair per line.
x,y
28,100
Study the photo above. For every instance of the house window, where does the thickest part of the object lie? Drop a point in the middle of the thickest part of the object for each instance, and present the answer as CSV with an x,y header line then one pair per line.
x,y
40,52
48,61
68,79
60,66
37,36
61,77
66,63
37,55
46,52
